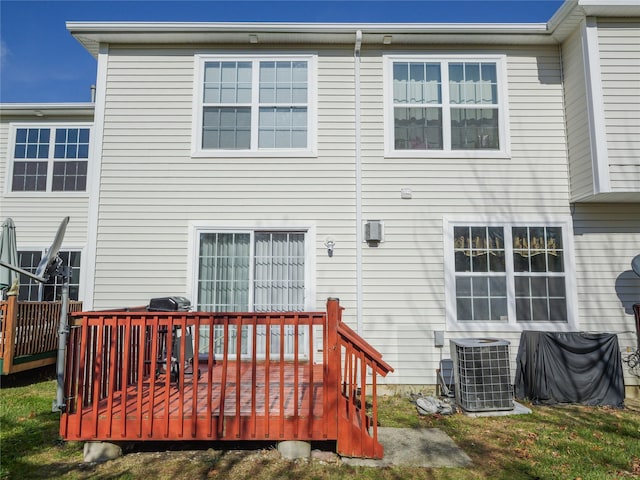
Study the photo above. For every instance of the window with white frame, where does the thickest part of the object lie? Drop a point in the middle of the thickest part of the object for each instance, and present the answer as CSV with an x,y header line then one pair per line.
x,y
50,159
261,271
31,290
255,104
445,104
508,274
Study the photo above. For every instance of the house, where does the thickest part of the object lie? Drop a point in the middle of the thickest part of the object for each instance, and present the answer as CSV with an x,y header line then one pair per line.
x,y
445,181
44,172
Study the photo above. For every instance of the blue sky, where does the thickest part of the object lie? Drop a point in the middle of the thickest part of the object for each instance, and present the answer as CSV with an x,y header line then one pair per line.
x,y
41,62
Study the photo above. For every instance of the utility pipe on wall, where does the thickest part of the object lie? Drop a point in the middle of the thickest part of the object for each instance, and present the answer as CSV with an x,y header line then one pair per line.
x,y
358,172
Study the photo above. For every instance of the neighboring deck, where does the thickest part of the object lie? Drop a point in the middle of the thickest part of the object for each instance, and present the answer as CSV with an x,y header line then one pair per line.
x,y
29,333
121,384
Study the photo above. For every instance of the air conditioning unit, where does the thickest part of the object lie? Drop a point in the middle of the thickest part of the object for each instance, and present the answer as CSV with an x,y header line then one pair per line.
x,y
482,375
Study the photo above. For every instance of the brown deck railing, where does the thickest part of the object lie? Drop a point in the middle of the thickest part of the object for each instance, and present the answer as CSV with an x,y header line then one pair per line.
x,y
278,376
30,333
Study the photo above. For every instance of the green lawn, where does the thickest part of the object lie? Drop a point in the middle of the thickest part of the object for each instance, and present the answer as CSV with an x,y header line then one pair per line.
x,y
566,442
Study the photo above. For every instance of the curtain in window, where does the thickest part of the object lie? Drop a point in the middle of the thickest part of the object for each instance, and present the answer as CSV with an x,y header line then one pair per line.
x,y
279,272
278,283
223,283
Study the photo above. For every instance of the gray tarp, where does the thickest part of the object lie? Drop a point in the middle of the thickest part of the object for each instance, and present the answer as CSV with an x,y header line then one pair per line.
x,y
572,367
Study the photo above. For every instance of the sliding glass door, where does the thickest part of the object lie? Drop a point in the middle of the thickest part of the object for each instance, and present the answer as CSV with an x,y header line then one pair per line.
x,y
260,271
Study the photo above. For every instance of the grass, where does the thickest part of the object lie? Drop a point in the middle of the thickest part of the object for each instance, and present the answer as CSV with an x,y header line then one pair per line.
x,y
569,442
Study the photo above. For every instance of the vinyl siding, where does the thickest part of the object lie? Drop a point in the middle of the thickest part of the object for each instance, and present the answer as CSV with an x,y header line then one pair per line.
x,y
152,190
4,161
38,215
151,187
578,141
404,292
606,239
619,43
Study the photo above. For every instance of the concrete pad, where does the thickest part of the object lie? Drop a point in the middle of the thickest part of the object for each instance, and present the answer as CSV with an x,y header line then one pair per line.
x,y
518,409
415,447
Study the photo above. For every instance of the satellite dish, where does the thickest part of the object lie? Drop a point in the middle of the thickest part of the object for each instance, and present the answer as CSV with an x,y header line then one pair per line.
x,y
635,264
52,253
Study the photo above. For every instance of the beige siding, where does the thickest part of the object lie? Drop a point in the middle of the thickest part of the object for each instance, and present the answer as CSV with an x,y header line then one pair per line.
x,y
4,159
37,215
575,94
151,187
606,240
404,293
619,43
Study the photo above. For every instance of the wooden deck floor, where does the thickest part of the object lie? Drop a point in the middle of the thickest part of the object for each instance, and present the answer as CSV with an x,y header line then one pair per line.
x,y
294,396
254,402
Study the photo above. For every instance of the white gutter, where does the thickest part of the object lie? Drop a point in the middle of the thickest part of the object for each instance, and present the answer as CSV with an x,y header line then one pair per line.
x,y
358,171
301,27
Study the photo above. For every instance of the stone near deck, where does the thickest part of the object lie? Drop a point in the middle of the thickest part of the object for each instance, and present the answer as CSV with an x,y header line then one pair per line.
x,y
101,452
294,449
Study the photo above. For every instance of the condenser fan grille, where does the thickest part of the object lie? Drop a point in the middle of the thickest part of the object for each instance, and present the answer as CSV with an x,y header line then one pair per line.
x,y
483,377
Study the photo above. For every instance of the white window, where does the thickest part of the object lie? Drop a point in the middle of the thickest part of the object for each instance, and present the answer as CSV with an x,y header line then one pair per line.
x,y
452,106
49,158
247,104
508,276
31,290
261,271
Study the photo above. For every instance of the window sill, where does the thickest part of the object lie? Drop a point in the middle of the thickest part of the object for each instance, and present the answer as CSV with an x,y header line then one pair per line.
x,y
254,154
490,327
438,154
41,195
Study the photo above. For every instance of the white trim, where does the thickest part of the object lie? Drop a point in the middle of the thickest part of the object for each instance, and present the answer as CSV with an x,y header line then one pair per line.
x,y
200,58
358,179
93,185
504,152
509,221
52,126
595,107
66,248
196,228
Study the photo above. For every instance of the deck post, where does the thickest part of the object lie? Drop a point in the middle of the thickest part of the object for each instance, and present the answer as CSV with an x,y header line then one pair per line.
x,y
333,365
10,331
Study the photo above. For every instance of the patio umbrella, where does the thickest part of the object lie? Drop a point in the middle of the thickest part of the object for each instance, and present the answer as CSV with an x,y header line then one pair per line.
x,y
8,253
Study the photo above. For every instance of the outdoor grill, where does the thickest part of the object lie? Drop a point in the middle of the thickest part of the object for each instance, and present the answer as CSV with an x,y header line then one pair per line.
x,y
174,304
169,304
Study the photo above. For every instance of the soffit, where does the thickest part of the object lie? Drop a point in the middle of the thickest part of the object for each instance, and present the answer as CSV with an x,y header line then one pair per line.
x,y
91,35
46,111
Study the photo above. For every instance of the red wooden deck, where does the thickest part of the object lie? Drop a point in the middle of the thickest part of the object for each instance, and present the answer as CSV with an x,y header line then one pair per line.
x,y
119,386
29,333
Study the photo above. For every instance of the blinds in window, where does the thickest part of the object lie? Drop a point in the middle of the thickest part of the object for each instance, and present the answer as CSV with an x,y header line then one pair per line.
x,y
278,272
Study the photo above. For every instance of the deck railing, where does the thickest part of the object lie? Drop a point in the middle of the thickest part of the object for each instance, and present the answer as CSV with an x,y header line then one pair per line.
x,y
134,375
30,333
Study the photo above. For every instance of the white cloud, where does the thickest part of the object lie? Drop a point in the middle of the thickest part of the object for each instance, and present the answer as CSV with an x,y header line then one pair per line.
x,y
4,53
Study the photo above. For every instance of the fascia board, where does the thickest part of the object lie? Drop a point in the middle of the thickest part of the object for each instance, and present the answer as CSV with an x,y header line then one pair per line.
x,y
92,34
46,109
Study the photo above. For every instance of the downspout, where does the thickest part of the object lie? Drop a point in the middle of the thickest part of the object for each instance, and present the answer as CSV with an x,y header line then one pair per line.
x,y
358,172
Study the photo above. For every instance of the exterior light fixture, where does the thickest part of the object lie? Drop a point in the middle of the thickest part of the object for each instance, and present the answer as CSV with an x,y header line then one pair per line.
x,y
253,38
386,39
329,243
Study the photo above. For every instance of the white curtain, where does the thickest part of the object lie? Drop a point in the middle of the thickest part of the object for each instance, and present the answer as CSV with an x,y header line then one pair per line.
x,y
278,282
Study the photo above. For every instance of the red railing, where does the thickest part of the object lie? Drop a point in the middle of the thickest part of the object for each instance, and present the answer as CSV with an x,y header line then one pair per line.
x,y
361,365
30,333
131,375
